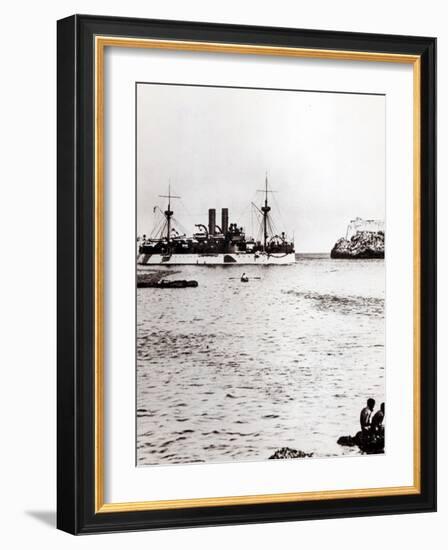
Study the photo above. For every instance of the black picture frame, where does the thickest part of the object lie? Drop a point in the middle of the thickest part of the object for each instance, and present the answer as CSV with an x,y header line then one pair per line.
x,y
76,272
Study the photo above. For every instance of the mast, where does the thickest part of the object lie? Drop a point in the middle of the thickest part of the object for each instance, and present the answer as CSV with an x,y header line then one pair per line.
x,y
265,209
168,212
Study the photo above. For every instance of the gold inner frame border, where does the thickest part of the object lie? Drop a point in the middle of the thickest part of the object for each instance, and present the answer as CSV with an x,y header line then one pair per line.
x,y
100,43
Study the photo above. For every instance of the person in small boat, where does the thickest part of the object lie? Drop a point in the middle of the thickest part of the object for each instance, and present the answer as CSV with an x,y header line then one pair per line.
x,y
377,421
244,278
366,416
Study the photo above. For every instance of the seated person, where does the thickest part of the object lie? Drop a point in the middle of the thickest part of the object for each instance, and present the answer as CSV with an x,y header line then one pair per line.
x,y
377,421
366,416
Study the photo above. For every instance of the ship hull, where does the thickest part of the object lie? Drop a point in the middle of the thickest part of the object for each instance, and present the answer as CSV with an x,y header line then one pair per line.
x,y
216,259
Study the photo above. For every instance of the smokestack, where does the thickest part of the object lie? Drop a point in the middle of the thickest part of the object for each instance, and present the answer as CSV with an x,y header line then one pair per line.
x,y
225,220
211,221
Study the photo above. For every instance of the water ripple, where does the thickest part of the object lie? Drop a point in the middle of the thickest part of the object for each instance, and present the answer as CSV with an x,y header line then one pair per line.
x,y
234,372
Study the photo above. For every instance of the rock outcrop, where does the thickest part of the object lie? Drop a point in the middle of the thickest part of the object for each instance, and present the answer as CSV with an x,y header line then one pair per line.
x,y
367,443
287,452
362,245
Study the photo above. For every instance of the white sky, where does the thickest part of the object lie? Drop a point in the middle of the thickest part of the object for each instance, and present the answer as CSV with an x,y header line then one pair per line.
x,y
324,154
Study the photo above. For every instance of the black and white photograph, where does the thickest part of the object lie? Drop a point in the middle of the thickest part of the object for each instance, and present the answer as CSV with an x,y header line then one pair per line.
x,y
220,294
260,274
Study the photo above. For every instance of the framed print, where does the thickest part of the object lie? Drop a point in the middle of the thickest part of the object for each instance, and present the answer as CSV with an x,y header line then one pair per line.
x,y
246,274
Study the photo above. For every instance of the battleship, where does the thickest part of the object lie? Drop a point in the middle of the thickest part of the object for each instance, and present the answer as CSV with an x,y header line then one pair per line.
x,y
214,244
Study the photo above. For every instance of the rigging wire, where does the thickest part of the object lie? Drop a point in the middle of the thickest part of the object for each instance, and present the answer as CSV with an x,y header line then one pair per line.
x,y
188,214
279,214
179,225
157,229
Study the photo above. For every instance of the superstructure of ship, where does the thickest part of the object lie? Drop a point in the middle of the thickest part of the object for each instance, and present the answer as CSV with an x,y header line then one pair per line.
x,y
214,244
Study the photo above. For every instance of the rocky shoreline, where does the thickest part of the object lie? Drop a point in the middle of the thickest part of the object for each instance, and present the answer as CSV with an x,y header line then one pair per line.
x,y
363,245
287,452
367,443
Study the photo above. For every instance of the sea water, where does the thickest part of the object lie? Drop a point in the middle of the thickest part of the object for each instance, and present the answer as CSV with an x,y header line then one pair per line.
x,y
232,371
